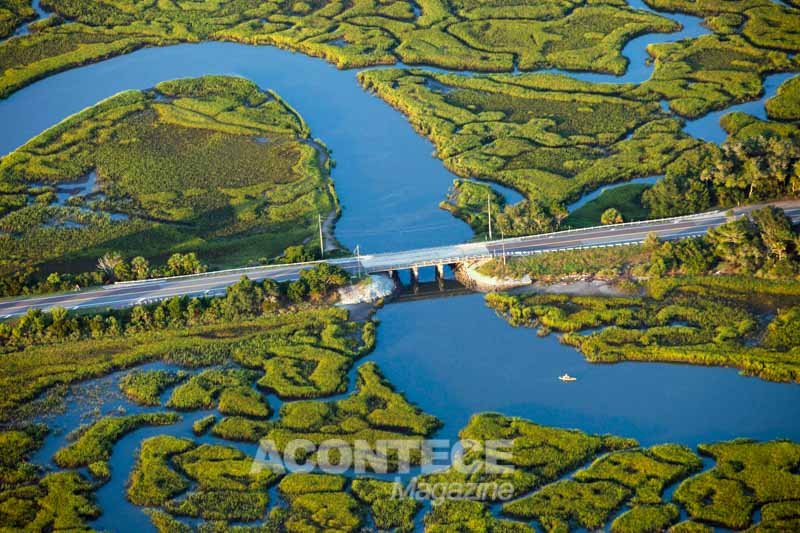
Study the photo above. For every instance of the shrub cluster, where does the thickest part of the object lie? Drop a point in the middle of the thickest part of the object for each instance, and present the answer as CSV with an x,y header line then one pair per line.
x,y
575,35
551,137
213,165
242,301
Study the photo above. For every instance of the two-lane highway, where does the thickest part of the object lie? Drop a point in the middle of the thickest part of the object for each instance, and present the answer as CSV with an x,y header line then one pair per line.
x,y
122,295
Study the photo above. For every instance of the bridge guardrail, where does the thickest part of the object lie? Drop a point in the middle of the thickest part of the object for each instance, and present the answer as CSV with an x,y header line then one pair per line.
x,y
541,236
516,253
215,273
245,270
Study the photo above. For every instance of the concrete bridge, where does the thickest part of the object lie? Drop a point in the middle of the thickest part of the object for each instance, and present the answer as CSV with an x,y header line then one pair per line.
x,y
127,294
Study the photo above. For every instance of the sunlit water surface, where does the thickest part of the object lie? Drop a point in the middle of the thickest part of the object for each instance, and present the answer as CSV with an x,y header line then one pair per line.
x,y
452,356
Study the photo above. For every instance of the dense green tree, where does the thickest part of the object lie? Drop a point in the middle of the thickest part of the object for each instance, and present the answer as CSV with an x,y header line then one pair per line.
x,y
758,168
194,311
122,272
111,267
30,327
738,244
159,317
693,256
141,319
113,326
676,195
174,310
16,282
611,216
297,291
62,326
140,267
741,171
109,263
242,300
323,278
651,242
784,331
97,327
776,231
183,264
525,218
300,254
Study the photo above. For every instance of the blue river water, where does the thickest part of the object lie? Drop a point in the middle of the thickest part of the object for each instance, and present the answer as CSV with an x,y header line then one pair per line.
x,y
451,356
454,357
586,198
472,361
23,29
389,183
698,128
639,65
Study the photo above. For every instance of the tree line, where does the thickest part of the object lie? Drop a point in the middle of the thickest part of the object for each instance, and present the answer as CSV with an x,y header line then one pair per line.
x,y
111,267
753,170
245,300
765,244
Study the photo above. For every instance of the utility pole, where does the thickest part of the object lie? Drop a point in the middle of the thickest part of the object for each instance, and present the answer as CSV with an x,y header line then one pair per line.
x,y
321,238
489,208
503,240
358,260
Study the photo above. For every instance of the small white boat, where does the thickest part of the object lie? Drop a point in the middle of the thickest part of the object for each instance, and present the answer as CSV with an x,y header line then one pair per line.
x,y
567,377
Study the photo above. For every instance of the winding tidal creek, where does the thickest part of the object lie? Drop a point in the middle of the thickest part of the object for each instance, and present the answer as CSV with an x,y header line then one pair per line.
x,y
451,356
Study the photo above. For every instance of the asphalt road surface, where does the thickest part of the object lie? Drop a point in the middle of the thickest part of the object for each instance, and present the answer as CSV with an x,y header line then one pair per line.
x,y
128,294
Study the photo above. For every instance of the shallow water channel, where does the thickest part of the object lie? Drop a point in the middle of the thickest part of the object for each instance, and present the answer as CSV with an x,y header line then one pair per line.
x,y
388,182
452,356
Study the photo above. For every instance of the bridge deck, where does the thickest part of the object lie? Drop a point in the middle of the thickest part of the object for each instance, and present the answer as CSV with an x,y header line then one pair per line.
x,y
132,293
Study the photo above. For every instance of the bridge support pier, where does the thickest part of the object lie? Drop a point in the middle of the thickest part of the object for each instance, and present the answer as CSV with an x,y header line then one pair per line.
x,y
440,276
415,279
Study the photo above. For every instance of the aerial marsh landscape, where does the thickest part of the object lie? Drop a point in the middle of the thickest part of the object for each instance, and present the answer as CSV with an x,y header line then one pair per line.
x,y
399,266
212,165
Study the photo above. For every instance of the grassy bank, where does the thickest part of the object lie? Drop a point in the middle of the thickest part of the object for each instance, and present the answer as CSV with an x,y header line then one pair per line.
x,y
213,165
26,374
548,136
694,322
680,309
627,199
573,35
566,480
